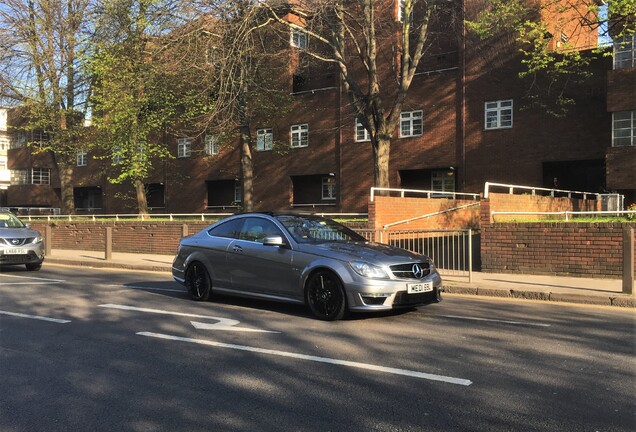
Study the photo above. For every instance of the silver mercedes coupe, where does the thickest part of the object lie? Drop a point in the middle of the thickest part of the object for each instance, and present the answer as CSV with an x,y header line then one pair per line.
x,y
303,259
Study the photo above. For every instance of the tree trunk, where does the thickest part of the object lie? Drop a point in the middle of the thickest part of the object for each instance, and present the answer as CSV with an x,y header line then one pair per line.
x,y
247,168
65,172
142,201
381,151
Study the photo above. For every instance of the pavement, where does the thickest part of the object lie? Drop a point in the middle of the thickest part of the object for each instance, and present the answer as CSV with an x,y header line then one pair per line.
x,y
593,291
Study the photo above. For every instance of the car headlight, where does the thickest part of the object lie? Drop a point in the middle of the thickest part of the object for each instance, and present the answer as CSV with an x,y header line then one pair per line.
x,y
368,270
37,239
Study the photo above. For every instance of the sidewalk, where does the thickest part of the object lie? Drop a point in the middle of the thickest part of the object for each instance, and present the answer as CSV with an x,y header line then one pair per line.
x,y
606,292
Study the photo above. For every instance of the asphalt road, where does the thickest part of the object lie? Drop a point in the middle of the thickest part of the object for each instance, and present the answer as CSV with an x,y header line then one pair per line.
x,y
101,350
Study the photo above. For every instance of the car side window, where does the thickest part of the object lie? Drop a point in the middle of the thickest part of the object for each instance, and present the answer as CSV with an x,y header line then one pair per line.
x,y
230,229
256,229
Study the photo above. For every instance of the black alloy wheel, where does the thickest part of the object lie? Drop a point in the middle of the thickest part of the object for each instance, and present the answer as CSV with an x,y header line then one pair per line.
x,y
325,296
198,282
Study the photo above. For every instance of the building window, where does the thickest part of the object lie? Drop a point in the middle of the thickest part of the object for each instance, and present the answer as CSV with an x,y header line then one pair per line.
x,y
82,158
411,123
498,114
211,145
624,129
117,155
41,176
185,147
329,188
443,181
298,38
264,139
625,52
300,135
238,192
362,134
3,163
402,12
20,140
19,177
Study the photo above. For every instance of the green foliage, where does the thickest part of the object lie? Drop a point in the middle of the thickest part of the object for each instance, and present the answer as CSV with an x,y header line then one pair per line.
x,y
548,36
138,97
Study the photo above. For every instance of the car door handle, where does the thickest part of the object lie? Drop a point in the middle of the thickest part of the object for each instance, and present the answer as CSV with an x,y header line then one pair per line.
x,y
237,249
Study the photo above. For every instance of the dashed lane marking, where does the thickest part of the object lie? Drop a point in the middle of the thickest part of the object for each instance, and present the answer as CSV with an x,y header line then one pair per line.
x,y
35,317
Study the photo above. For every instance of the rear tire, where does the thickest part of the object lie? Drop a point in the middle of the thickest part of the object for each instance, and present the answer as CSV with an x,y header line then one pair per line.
x,y
197,281
33,267
325,296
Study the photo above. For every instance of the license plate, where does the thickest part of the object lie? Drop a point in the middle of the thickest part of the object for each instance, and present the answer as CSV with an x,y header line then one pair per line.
x,y
419,287
14,251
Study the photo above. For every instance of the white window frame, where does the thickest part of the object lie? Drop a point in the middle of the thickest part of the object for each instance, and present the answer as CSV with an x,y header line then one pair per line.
x,y
411,123
184,147
299,136
400,12
361,133
298,38
82,158
264,139
625,52
501,112
211,144
442,182
238,192
40,176
628,125
328,188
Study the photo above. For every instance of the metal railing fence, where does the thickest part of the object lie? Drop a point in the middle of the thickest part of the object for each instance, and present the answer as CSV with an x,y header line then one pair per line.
x,y
451,250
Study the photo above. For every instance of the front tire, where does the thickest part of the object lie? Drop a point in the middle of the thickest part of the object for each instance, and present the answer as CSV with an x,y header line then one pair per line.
x,y
197,281
325,296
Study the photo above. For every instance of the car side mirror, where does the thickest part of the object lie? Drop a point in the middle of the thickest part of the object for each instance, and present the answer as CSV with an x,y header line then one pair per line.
x,y
273,241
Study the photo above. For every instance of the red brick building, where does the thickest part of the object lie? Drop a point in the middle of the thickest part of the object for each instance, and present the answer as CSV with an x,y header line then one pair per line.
x,y
466,121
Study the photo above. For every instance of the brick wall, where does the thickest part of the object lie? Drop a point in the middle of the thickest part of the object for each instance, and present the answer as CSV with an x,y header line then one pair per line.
x,y
136,237
535,203
386,210
582,249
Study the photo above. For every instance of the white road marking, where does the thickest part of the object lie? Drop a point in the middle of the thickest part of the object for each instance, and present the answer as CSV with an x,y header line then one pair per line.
x,y
395,371
149,288
496,320
223,323
41,318
44,280
227,325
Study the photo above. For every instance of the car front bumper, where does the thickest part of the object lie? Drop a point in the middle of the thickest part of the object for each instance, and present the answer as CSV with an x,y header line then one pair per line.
x,y
375,295
32,254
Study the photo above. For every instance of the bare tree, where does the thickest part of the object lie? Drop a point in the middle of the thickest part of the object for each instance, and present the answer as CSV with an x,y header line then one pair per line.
x,y
41,48
358,36
230,45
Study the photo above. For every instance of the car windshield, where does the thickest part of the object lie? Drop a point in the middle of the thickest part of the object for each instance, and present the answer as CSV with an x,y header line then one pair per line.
x,y
7,220
317,230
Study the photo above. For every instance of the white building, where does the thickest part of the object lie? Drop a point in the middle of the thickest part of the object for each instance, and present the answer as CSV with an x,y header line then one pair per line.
x,y
5,176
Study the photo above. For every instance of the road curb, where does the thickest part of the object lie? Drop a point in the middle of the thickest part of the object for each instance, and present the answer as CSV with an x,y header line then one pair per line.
x,y
109,264
625,301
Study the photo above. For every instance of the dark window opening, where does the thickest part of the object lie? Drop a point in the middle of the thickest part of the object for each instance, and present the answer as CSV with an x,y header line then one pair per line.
x,y
87,199
583,176
156,196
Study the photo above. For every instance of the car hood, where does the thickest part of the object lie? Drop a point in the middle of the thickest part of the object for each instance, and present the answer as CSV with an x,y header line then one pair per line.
x,y
375,253
18,233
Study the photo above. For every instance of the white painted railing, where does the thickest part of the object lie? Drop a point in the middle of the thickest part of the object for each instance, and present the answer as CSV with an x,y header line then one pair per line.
x,y
427,193
551,192
567,214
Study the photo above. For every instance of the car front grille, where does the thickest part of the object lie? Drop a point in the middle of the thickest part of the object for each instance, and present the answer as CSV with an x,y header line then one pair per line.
x,y
19,259
16,242
405,271
403,298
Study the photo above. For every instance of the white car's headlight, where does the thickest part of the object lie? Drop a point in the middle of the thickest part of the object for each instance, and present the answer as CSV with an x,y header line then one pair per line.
x,y
368,270
37,239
